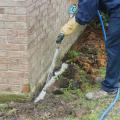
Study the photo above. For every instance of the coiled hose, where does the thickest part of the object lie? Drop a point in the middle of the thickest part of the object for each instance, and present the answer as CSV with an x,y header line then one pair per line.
x,y
110,107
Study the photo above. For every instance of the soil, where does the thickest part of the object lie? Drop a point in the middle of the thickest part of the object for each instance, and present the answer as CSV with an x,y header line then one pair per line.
x,y
92,50
85,66
51,108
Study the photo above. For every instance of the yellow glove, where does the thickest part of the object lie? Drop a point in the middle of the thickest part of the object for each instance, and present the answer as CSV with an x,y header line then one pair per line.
x,y
69,27
73,1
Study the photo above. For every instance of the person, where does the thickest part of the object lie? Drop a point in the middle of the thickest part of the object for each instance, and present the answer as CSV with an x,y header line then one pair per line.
x,y
87,11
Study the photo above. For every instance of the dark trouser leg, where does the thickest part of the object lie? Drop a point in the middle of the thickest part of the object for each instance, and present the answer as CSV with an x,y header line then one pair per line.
x,y
113,53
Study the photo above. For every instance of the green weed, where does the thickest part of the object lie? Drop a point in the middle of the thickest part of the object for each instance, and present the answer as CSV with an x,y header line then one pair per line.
x,y
73,54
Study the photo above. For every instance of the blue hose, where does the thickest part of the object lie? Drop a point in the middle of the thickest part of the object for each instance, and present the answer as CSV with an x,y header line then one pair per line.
x,y
110,107
102,25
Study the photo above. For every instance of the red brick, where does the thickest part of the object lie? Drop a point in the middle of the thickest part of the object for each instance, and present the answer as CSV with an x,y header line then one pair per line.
x,y
28,30
26,88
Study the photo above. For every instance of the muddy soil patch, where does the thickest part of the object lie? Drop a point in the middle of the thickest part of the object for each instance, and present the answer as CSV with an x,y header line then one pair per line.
x,y
51,108
88,52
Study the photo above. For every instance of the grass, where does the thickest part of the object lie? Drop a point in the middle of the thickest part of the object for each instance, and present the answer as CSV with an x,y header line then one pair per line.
x,y
93,108
73,54
71,118
102,71
7,97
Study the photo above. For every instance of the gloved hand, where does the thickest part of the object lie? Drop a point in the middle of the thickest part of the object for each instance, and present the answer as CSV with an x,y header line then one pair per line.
x,y
73,1
69,27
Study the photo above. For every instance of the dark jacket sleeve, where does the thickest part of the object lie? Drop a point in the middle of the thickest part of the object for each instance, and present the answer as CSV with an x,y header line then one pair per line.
x,y
87,10
102,6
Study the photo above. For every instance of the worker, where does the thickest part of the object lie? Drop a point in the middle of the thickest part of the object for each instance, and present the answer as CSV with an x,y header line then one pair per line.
x,y
87,11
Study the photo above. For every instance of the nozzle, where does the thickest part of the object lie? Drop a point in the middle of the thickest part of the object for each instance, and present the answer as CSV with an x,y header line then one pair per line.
x,y
72,10
60,38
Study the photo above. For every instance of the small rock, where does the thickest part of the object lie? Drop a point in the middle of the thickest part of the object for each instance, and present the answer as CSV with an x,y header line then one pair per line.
x,y
61,109
57,92
89,96
1,118
45,115
79,113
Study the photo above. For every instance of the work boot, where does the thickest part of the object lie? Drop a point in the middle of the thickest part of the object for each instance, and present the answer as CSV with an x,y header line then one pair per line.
x,y
98,94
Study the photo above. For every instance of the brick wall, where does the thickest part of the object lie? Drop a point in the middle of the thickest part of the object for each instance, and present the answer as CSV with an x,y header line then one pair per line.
x,y
28,29
13,45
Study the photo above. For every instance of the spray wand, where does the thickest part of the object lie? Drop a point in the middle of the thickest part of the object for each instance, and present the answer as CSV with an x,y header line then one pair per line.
x,y
60,38
51,77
